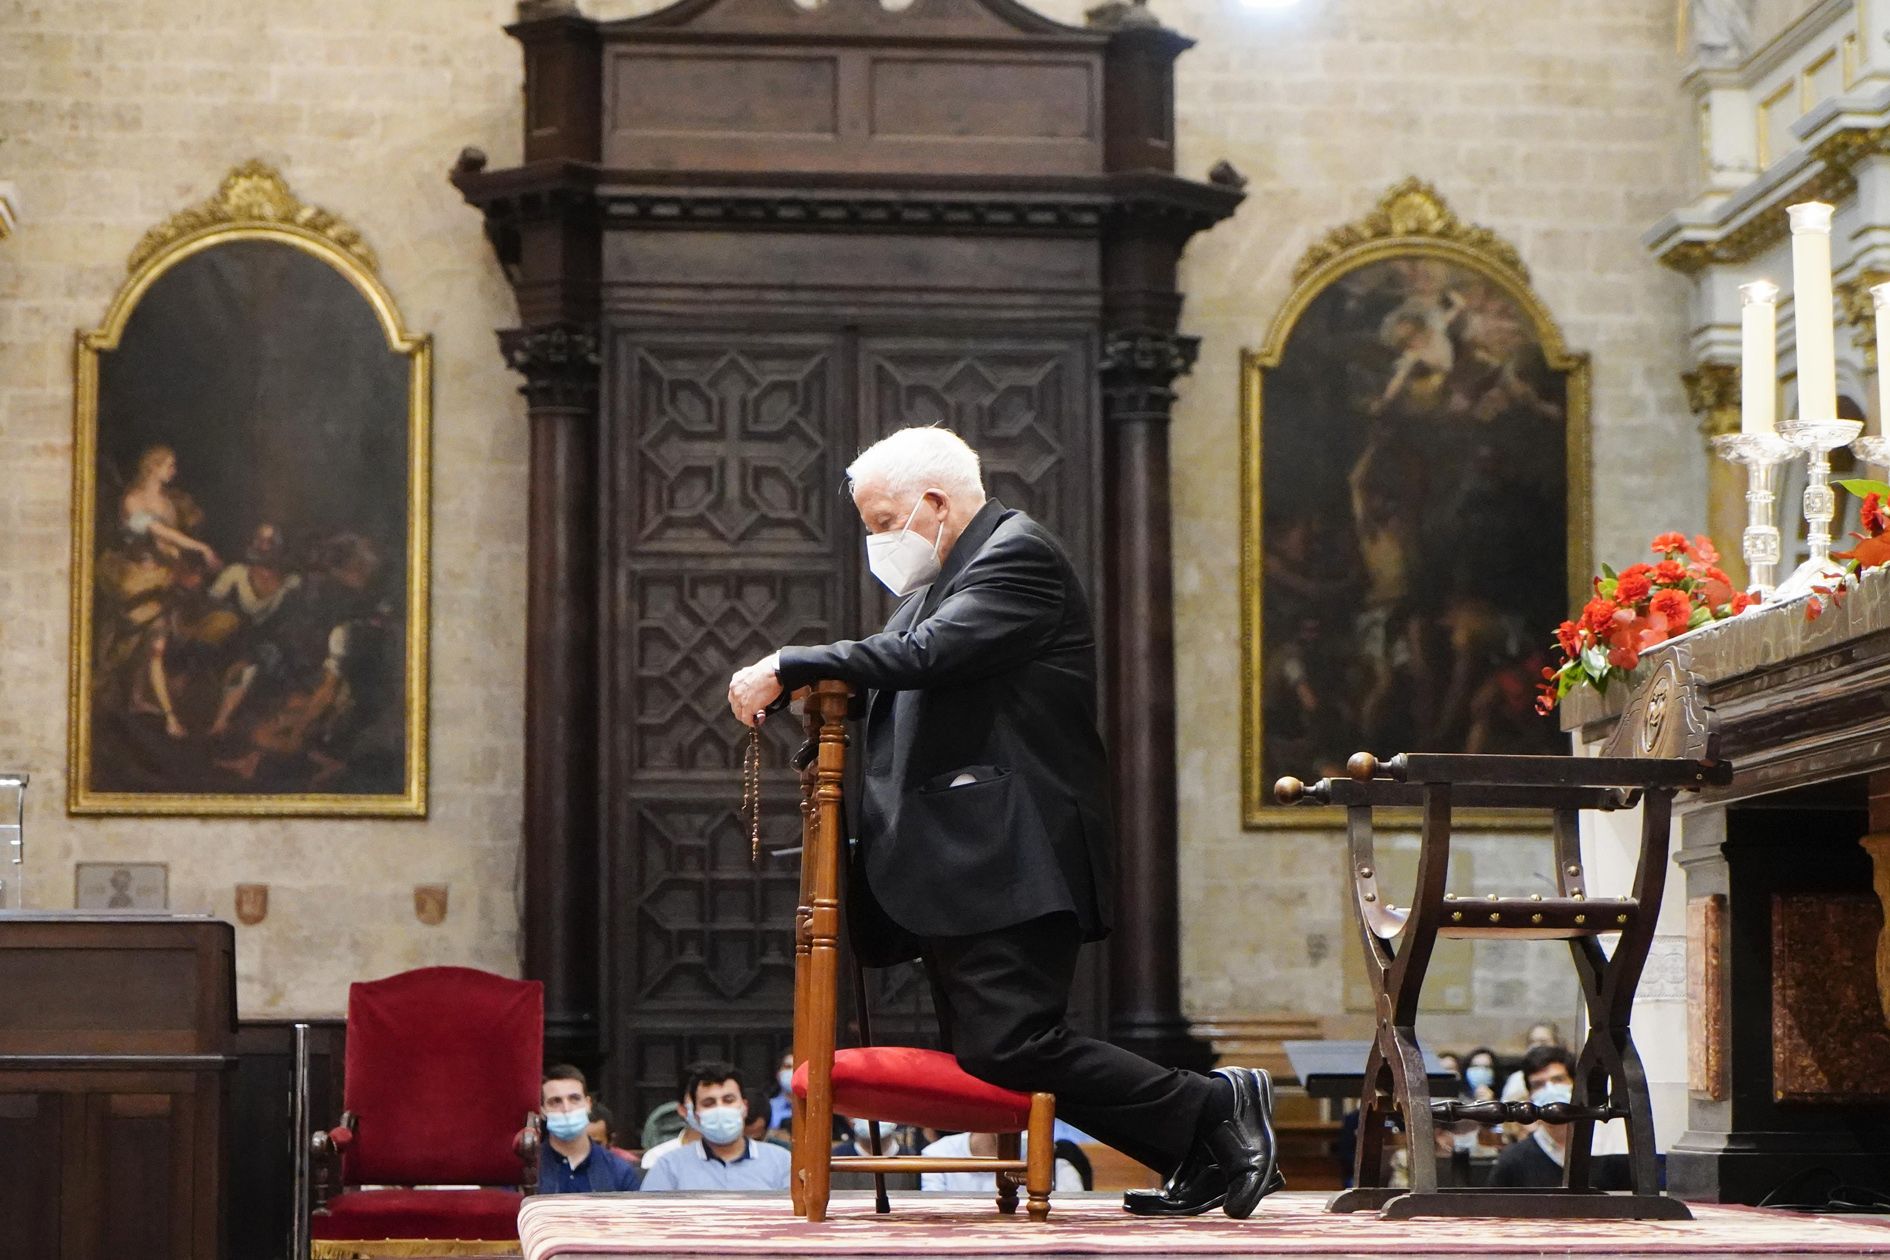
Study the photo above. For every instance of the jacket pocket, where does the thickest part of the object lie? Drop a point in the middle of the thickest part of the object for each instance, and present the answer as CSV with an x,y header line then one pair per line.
x,y
981,776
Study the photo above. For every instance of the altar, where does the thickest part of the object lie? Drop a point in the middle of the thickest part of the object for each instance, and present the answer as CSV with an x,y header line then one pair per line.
x,y
1764,1018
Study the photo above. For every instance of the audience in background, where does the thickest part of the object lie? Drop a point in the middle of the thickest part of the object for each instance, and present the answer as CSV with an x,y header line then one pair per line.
x,y
685,1133
893,1140
725,1158
781,1097
959,1145
1515,1088
1479,1074
662,1124
1537,1160
569,1161
761,1119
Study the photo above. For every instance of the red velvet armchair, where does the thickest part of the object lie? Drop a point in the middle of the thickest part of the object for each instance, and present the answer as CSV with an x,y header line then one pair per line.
x,y
437,1140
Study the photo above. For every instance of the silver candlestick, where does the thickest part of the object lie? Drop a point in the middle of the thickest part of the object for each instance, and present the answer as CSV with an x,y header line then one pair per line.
x,y
1817,439
1761,453
1873,450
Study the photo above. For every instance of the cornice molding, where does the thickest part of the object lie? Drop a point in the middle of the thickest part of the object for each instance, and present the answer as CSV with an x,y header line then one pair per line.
x,y
850,203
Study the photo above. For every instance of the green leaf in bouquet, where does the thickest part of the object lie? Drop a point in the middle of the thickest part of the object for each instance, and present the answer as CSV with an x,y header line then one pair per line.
x,y
1861,486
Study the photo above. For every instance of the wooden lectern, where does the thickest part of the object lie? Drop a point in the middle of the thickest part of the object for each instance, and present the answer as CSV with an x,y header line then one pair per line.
x,y
114,1040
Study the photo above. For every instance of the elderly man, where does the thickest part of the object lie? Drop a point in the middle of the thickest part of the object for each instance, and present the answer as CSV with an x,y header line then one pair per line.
x,y
985,840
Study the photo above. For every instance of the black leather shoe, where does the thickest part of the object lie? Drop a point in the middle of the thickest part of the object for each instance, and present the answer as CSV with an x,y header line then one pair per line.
x,y
1243,1144
1197,1186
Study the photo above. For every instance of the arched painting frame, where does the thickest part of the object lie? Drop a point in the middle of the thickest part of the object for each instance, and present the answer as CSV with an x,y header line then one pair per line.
x,y
1415,502
250,524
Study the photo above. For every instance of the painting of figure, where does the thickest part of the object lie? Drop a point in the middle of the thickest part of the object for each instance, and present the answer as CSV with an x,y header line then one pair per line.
x,y
1414,436
246,591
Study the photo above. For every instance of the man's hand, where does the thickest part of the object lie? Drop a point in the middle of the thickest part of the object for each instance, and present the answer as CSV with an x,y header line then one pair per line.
x,y
753,689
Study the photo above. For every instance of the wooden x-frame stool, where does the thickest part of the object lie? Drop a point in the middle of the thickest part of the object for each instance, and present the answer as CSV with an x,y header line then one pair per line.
x,y
1663,745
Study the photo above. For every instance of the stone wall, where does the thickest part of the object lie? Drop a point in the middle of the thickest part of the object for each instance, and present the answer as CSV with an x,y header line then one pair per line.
x,y
113,116
1557,123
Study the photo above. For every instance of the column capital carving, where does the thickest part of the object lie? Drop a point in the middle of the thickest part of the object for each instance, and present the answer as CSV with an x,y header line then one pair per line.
x,y
1859,310
1139,367
1713,396
560,363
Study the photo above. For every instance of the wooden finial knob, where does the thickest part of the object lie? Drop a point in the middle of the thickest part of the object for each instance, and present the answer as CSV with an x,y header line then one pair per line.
x,y
1362,767
1289,791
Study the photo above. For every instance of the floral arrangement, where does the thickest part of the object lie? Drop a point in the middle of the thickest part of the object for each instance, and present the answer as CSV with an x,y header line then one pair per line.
x,y
1872,549
1643,605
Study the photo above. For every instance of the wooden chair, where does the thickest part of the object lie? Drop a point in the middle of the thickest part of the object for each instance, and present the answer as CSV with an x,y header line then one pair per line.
x,y
893,1084
1663,745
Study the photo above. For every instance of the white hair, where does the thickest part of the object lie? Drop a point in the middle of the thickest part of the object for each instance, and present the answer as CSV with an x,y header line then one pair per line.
x,y
912,461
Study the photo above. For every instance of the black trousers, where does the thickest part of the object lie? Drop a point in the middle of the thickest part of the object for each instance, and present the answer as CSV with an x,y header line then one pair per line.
x,y
1001,998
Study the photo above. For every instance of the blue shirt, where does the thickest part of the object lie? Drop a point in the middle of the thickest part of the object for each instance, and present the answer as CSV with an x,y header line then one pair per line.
x,y
760,1166
602,1169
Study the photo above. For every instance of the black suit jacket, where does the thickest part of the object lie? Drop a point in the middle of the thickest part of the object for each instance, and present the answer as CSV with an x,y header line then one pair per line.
x,y
991,672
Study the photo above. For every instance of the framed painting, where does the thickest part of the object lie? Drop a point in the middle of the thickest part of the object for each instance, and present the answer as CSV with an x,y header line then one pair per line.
x,y
250,479
1414,504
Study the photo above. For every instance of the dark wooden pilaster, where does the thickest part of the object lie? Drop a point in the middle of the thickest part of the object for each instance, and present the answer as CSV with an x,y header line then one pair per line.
x,y
1138,368
562,924
1142,354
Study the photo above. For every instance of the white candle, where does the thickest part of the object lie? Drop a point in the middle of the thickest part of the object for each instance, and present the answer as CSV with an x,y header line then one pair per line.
x,y
1880,294
1758,356
1811,311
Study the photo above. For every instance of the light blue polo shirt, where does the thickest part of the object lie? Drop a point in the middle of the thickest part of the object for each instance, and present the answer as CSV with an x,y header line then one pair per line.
x,y
761,1166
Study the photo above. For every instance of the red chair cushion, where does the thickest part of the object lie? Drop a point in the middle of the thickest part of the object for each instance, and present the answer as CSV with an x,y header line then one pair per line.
x,y
443,1066
490,1215
904,1085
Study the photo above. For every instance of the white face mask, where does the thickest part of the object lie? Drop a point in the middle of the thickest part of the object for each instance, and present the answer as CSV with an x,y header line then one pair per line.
x,y
904,561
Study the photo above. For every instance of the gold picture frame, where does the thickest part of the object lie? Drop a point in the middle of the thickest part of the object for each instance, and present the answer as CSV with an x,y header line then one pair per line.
x,y
319,710
1411,231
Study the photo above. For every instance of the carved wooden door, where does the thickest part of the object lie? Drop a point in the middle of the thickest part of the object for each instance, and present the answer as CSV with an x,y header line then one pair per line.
x,y
728,533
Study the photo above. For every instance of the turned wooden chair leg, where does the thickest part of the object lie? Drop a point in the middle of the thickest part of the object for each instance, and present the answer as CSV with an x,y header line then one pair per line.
x,y
1041,1175
1007,1148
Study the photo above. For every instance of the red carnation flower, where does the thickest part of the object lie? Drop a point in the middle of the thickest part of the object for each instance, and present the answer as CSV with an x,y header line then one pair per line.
x,y
1637,569
1704,551
1670,572
1632,588
1674,544
1598,615
1568,638
1672,606
1873,514
1742,601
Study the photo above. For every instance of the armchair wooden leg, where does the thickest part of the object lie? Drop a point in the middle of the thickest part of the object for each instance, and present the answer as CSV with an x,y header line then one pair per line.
x,y
1008,1146
1041,1175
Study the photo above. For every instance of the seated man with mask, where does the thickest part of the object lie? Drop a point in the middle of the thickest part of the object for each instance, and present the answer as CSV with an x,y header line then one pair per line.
x,y
570,1162
726,1158
1536,1161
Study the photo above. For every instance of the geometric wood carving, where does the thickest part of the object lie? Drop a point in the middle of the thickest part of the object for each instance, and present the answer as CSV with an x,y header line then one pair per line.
x,y
731,446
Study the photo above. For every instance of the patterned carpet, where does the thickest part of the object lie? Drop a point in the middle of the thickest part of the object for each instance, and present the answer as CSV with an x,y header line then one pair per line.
x,y
564,1227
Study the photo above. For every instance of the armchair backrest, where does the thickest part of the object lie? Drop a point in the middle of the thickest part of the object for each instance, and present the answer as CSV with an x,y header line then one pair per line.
x,y
442,1066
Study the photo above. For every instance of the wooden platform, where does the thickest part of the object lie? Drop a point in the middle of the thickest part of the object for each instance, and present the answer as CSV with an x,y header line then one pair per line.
x,y
641,1227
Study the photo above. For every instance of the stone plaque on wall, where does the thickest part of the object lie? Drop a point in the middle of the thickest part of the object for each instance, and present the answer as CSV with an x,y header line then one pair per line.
x,y
1829,1039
